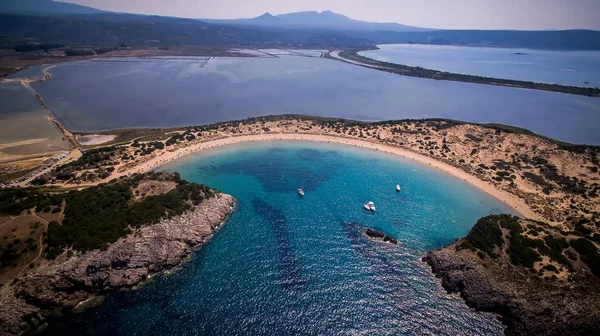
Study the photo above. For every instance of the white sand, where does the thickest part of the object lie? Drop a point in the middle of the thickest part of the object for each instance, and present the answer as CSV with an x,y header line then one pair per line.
x,y
95,139
511,200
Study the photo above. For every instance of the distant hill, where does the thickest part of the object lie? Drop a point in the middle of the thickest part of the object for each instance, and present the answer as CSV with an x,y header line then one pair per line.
x,y
49,22
44,7
112,29
315,20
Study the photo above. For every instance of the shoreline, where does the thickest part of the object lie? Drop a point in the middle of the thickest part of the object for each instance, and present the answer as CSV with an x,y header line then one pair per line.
x,y
352,57
510,200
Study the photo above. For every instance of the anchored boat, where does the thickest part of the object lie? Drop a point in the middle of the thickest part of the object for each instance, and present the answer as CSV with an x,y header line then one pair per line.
x,y
301,192
369,206
397,188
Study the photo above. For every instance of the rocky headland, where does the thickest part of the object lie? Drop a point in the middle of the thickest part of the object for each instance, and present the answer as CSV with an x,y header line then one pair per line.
x,y
560,298
76,276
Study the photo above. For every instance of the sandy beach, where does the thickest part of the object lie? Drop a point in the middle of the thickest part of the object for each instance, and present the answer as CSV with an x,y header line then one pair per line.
x,y
511,200
95,139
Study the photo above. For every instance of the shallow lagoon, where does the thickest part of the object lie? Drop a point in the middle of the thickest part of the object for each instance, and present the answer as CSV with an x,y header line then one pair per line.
x,y
15,98
284,265
23,119
577,68
90,96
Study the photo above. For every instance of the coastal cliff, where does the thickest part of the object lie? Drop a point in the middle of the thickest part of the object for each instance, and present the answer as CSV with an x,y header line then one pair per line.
x,y
527,300
76,276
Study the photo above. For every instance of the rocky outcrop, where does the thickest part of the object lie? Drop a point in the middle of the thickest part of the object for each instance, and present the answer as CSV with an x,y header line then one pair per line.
x,y
380,236
17,316
527,305
74,277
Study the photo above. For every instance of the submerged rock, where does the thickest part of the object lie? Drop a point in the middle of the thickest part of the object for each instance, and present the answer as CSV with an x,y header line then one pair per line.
x,y
74,277
380,236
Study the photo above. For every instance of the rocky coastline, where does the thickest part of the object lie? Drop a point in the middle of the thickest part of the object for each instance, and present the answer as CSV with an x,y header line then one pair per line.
x,y
525,303
74,277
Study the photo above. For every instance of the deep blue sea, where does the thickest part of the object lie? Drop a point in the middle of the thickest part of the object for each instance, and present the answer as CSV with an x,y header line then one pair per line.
x,y
96,95
285,265
577,68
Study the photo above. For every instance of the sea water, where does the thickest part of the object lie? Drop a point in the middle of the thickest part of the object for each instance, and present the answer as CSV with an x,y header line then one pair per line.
x,y
290,265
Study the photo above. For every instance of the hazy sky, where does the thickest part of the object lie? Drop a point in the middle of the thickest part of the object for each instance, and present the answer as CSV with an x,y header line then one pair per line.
x,y
460,14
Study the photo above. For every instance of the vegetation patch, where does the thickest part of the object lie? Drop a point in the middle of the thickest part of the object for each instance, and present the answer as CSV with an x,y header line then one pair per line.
x,y
94,164
557,246
588,253
79,52
485,236
522,252
98,216
15,201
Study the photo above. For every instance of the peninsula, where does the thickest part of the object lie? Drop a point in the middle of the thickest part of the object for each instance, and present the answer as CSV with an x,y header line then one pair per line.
x,y
352,57
138,227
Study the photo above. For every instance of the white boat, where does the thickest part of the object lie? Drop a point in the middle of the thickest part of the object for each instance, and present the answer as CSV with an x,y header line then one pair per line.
x,y
397,188
301,192
369,206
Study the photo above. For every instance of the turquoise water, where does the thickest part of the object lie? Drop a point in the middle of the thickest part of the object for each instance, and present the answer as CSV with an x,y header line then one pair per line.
x,y
577,68
285,265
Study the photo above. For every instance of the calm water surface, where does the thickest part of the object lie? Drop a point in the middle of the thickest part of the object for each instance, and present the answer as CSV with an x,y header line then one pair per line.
x,y
22,118
577,68
283,265
15,98
110,94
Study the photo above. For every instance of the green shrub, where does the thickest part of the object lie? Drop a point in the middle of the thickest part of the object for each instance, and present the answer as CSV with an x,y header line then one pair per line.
x,y
520,253
485,236
588,253
15,201
510,223
98,216
557,246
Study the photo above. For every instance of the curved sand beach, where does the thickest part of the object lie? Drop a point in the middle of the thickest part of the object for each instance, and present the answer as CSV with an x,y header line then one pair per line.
x,y
511,200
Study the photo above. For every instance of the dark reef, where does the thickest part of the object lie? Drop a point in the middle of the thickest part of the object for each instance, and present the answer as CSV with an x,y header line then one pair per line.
x,y
377,235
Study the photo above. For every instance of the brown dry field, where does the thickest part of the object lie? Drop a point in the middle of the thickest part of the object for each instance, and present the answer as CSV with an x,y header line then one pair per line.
x,y
17,232
152,188
127,135
17,168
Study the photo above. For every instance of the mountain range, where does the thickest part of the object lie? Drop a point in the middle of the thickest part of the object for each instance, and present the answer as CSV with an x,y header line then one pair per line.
x,y
44,7
48,21
316,20
300,20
